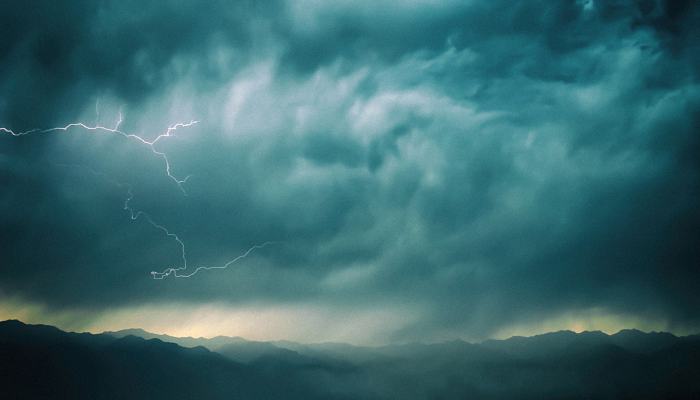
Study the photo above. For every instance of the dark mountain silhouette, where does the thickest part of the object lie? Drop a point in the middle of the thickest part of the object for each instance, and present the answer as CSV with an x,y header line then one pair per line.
x,y
629,339
235,348
44,362
210,343
38,361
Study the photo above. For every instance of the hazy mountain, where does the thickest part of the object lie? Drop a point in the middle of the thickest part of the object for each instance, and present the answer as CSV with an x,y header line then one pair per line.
x,y
39,361
242,350
44,362
552,365
210,343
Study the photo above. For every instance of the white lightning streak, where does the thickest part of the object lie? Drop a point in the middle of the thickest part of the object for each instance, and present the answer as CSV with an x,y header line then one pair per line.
x,y
170,271
135,214
174,271
150,143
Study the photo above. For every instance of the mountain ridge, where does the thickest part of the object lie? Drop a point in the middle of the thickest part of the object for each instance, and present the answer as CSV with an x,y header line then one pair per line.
x,y
41,361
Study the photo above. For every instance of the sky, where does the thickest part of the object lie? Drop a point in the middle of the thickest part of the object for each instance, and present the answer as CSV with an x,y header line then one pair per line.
x,y
424,170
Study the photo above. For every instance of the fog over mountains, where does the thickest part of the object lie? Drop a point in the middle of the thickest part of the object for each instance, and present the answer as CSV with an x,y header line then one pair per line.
x,y
39,361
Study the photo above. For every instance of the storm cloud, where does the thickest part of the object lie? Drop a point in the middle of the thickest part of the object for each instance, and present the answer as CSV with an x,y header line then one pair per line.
x,y
468,166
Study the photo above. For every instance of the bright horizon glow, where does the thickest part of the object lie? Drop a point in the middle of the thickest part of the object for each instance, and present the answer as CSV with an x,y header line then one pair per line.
x,y
302,323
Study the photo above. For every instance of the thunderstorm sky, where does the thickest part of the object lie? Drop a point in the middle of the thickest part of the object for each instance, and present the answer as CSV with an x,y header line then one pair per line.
x,y
426,169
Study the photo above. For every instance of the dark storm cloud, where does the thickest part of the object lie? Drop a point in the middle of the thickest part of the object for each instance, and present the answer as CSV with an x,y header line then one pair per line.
x,y
54,56
490,163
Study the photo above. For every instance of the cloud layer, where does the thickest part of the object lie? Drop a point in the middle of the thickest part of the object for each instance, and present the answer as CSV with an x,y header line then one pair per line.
x,y
468,165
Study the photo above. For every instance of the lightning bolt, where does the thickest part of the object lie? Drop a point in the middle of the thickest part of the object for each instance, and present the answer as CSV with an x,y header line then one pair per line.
x,y
135,214
99,128
176,272
173,271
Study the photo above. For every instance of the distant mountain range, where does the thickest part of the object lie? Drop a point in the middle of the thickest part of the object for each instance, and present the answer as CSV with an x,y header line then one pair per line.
x,y
38,361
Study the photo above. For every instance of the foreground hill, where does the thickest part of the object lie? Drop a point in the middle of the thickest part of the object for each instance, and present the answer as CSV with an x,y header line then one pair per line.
x,y
44,362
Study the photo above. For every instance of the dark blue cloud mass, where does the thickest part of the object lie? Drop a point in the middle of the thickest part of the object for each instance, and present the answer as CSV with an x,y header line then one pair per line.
x,y
475,164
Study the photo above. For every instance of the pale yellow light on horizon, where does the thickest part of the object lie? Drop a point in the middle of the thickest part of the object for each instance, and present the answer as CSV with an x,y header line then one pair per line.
x,y
304,323
593,319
